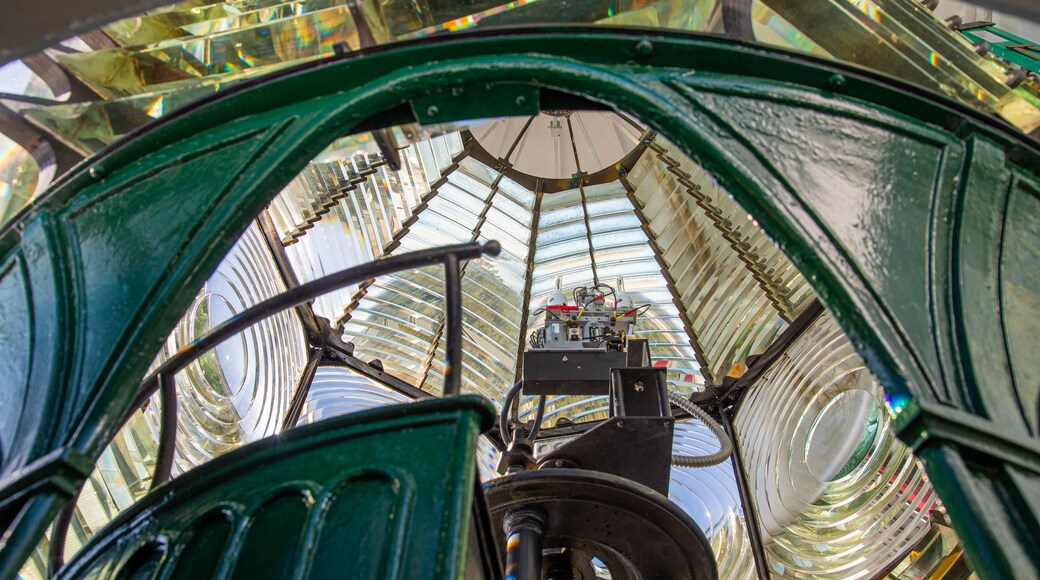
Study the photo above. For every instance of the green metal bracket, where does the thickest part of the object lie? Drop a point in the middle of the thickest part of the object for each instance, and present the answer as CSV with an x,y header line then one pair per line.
x,y
475,101
1010,47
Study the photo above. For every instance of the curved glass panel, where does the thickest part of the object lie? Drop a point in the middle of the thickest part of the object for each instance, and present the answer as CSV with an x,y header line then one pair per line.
x,y
169,57
139,69
19,178
838,496
711,498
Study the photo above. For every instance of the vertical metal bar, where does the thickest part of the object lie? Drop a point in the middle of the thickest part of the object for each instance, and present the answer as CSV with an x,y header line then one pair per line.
x,y
536,216
23,532
56,549
584,203
524,529
303,388
167,429
747,502
453,318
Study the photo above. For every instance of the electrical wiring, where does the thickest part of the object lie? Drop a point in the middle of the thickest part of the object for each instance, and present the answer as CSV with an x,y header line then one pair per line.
x,y
725,444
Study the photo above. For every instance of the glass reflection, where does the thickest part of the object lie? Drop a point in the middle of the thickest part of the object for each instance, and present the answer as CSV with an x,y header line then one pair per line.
x,y
838,496
200,49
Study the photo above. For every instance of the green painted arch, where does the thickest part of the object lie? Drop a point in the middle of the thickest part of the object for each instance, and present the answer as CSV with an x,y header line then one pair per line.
x,y
744,112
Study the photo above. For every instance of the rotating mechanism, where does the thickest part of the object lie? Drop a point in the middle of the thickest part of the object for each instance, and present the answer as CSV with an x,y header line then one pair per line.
x,y
634,531
598,498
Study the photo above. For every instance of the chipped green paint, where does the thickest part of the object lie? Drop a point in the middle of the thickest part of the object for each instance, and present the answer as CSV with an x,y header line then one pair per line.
x,y
891,200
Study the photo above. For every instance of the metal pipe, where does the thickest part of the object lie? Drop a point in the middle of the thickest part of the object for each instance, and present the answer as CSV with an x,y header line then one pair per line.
x,y
167,429
303,293
303,387
56,549
453,319
584,204
525,531
24,530
747,502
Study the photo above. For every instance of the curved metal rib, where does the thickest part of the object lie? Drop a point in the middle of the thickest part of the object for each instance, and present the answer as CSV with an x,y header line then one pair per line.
x,y
305,292
168,429
164,376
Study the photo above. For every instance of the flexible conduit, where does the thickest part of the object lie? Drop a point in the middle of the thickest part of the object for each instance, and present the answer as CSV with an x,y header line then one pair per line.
x,y
725,444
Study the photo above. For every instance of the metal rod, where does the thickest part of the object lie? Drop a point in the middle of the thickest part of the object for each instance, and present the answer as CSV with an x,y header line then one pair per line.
x,y
303,388
747,502
287,273
56,549
584,203
776,349
23,531
525,530
167,429
453,318
334,356
536,216
303,293
516,142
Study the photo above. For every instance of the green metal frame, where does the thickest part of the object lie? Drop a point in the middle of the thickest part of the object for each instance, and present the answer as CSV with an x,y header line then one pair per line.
x,y
890,199
1014,48
293,506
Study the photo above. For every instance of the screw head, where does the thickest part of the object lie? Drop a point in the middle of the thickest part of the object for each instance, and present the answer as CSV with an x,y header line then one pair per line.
x,y
432,111
521,100
620,423
639,386
558,463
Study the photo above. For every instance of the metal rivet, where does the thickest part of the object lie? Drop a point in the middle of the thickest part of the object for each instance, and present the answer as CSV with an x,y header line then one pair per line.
x,y
521,100
97,171
558,463
836,81
432,111
639,386
644,47
620,423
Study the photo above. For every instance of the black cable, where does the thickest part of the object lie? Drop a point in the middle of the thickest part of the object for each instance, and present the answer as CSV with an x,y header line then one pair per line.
x,y
539,416
547,311
503,415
